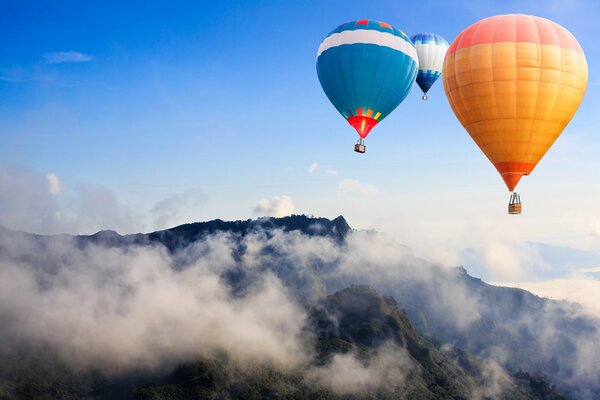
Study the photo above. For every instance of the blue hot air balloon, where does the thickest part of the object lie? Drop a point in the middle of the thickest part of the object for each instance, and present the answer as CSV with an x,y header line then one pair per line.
x,y
431,49
366,69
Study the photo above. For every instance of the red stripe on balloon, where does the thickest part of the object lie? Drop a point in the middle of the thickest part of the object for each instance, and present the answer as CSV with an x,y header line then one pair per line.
x,y
362,124
512,172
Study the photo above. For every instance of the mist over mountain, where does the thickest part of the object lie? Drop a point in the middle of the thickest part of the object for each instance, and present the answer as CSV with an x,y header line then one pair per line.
x,y
545,261
224,302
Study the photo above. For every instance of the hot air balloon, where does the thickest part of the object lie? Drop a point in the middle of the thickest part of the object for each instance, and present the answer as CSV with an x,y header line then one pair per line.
x,y
514,82
431,50
366,69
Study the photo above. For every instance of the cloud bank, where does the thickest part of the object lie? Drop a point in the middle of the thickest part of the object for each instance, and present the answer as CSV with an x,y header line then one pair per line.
x,y
124,309
44,204
347,374
141,306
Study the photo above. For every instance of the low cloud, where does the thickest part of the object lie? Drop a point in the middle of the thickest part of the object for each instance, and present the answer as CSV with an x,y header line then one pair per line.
x,y
61,57
54,184
346,374
495,381
123,308
128,309
120,309
277,206
354,187
333,172
312,168
458,306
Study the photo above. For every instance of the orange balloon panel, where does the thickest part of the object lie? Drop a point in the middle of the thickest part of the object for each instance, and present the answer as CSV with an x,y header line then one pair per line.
x,y
514,82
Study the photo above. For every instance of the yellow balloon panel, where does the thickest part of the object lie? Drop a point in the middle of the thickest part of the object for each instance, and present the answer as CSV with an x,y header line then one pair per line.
x,y
515,99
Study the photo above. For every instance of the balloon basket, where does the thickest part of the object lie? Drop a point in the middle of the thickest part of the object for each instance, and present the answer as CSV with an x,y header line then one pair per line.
x,y
514,204
360,146
515,209
424,97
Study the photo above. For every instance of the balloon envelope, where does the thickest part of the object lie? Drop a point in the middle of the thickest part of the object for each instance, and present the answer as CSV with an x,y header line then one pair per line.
x,y
366,69
431,50
514,82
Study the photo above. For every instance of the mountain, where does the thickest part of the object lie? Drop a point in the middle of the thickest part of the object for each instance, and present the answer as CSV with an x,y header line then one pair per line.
x,y
183,235
355,325
537,341
358,321
359,318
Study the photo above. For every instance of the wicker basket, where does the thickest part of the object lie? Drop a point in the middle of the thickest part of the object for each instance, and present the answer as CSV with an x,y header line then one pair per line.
x,y
515,208
360,148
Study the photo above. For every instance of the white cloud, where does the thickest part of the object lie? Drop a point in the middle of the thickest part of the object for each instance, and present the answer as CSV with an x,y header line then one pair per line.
x,y
352,186
372,258
495,381
312,168
78,208
390,268
30,202
123,309
27,203
508,260
345,374
54,184
333,172
61,57
277,206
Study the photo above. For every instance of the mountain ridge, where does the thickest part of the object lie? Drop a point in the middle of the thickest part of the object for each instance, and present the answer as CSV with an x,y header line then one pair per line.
x,y
503,324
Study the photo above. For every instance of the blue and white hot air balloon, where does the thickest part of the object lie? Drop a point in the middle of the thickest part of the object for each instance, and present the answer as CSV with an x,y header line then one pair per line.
x,y
431,49
366,69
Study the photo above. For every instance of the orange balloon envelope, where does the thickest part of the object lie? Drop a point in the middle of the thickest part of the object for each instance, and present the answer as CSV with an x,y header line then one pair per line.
x,y
514,82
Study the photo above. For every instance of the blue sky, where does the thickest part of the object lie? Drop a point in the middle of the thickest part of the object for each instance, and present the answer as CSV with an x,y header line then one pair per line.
x,y
198,110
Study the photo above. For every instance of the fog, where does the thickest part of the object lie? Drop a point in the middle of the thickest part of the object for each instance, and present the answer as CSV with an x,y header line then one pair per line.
x,y
346,373
120,309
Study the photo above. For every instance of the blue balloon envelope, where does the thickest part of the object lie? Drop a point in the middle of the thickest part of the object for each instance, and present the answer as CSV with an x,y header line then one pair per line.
x,y
366,69
431,49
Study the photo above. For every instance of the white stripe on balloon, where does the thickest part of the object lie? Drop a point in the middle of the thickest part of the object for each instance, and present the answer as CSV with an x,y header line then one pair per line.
x,y
365,36
431,56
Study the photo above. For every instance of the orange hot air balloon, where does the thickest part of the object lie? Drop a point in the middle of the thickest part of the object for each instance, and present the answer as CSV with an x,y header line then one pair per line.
x,y
514,82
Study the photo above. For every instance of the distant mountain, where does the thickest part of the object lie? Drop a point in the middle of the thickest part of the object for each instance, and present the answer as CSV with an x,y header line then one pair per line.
x,y
531,337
